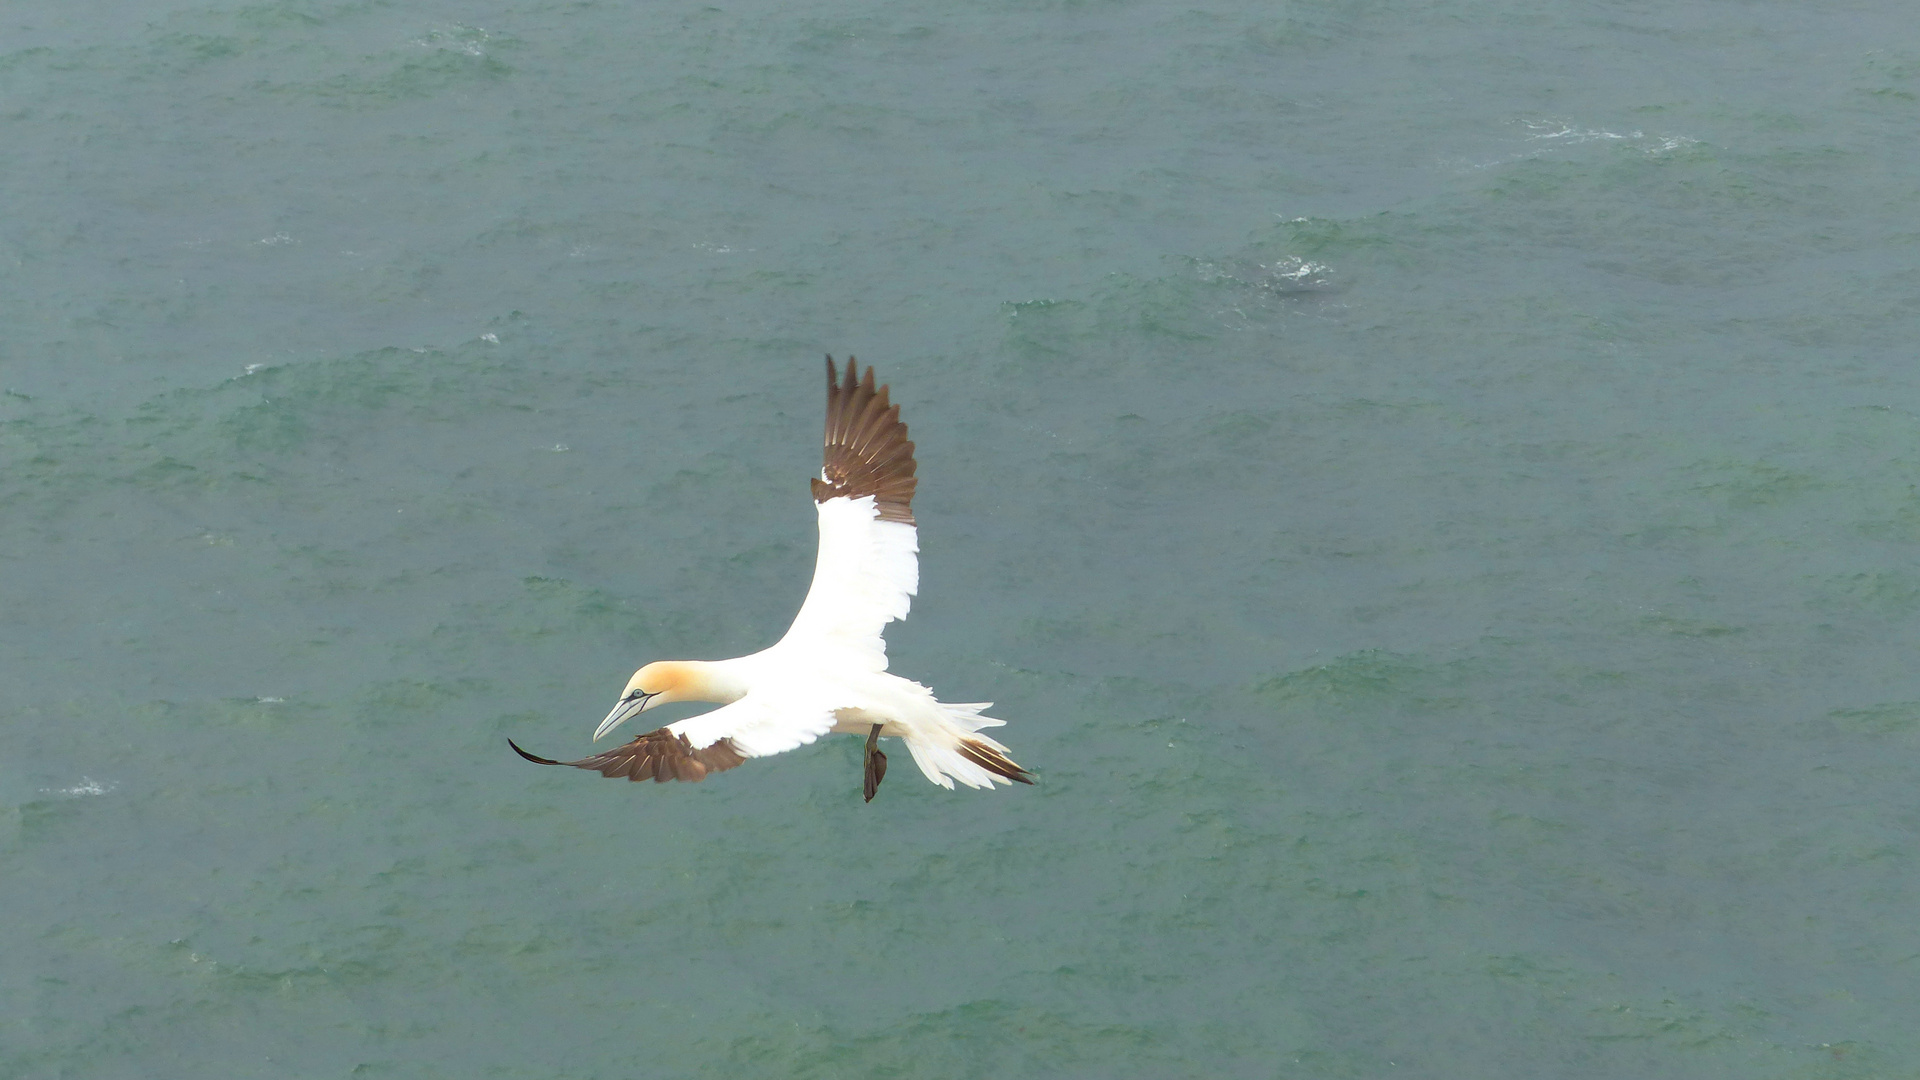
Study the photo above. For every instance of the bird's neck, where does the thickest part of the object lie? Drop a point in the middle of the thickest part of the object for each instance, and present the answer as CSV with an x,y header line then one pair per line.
x,y
719,681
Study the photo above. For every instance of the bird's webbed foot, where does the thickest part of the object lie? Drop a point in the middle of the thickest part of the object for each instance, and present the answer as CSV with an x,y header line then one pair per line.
x,y
876,763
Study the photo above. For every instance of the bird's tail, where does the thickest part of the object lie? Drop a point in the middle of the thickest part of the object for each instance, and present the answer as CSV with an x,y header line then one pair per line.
x,y
952,748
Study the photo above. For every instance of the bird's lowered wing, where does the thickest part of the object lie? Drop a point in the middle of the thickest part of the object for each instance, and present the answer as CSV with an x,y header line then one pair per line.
x,y
868,568
659,755
697,747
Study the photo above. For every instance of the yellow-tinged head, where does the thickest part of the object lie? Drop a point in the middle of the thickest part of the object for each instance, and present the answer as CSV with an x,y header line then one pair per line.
x,y
664,682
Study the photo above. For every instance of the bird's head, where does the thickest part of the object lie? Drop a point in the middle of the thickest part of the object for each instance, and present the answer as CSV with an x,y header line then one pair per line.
x,y
667,681
658,683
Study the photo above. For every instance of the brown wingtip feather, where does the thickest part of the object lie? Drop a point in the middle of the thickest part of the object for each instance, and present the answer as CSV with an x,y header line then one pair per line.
x,y
867,450
537,760
994,761
659,755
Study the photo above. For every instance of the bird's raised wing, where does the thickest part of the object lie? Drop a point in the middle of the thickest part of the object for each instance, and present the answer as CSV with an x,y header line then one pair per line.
x,y
869,567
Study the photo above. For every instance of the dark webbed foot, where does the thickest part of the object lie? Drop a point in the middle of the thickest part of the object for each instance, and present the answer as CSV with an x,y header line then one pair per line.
x,y
876,763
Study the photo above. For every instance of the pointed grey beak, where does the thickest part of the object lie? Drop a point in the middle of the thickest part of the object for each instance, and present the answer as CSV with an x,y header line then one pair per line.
x,y
628,708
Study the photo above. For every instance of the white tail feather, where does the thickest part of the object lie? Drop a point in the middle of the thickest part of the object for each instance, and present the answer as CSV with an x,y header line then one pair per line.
x,y
936,748
968,715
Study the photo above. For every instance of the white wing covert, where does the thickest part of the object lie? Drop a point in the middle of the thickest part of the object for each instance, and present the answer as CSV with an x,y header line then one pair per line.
x,y
758,727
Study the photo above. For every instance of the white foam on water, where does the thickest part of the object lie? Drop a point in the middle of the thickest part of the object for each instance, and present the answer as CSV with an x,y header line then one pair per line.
x,y
466,39
1552,131
1548,136
87,786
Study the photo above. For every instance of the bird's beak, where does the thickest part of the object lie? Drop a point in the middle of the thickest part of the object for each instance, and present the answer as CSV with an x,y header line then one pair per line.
x,y
628,708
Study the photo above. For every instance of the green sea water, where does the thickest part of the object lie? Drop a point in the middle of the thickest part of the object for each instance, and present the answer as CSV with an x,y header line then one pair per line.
x,y
1434,489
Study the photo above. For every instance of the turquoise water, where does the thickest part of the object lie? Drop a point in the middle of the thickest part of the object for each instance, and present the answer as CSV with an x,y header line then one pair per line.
x,y
1432,488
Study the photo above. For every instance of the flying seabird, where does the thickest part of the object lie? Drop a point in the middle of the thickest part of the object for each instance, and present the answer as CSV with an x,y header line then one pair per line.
x,y
829,673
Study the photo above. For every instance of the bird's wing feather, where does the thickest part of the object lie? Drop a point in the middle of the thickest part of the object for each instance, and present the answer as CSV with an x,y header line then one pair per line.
x,y
867,449
868,568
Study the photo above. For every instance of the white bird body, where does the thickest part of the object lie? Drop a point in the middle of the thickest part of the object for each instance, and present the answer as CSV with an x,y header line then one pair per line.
x,y
794,696
828,673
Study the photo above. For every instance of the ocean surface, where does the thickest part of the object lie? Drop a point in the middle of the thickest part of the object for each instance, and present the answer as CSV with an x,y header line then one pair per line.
x,y
1434,489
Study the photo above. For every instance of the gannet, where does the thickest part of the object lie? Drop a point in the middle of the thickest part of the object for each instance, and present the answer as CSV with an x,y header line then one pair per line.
x,y
829,673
